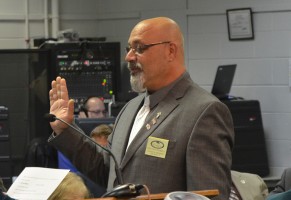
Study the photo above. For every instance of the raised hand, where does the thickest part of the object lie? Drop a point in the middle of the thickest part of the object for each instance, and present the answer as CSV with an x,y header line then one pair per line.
x,y
60,105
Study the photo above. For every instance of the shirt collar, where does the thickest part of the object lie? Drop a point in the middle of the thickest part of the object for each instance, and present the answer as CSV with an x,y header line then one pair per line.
x,y
157,96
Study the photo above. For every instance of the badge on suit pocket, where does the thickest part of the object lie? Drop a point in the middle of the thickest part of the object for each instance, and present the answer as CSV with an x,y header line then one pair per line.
x,y
157,147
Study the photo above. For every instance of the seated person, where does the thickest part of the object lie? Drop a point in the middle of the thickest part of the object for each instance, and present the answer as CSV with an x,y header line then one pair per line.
x,y
247,186
64,163
71,187
284,184
101,133
93,107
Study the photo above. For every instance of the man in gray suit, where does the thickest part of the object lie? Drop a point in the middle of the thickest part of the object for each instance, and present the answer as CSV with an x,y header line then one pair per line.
x,y
184,143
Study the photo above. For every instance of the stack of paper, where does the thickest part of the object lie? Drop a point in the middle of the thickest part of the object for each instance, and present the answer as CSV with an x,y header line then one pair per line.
x,y
36,183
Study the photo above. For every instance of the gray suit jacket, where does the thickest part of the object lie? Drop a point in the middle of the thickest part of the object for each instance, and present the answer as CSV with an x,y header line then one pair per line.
x,y
199,131
284,184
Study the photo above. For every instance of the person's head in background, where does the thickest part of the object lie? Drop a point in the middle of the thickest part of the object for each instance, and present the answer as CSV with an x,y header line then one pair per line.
x,y
93,108
101,133
72,187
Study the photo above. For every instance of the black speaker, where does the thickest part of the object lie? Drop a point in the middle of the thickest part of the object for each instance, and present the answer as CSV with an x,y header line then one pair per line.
x,y
249,153
5,151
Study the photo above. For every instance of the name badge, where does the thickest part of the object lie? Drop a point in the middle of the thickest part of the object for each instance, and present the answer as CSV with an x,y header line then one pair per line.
x,y
157,147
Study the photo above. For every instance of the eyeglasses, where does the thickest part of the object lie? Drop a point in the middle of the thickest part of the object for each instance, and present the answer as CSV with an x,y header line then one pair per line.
x,y
140,48
98,112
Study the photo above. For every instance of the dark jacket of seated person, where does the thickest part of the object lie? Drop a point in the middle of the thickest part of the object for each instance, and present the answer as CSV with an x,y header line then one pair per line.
x,y
284,184
3,190
2,187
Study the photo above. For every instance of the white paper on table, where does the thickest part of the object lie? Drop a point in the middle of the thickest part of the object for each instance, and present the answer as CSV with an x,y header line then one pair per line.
x,y
36,183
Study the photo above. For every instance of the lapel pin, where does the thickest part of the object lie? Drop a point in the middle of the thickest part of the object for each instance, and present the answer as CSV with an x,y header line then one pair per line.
x,y
154,121
148,126
158,115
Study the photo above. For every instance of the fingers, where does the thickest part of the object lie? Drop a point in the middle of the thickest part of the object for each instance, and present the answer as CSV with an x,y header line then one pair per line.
x,y
64,94
58,87
60,105
59,90
71,108
53,93
51,96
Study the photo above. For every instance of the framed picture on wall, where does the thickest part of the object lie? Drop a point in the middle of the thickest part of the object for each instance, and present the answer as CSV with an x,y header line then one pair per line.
x,y
240,24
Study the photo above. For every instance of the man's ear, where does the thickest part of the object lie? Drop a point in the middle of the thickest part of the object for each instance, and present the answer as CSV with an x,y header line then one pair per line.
x,y
172,51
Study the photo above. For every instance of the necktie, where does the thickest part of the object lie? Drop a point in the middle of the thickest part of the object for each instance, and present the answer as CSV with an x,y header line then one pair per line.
x,y
139,119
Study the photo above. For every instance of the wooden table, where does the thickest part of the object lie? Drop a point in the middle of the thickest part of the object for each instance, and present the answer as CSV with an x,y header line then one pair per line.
x,y
161,196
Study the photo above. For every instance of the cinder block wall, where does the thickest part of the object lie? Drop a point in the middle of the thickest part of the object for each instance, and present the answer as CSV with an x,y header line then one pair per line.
x,y
262,64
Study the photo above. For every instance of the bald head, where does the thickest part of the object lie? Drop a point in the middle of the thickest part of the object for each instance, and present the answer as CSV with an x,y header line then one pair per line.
x,y
162,29
94,108
156,54
94,102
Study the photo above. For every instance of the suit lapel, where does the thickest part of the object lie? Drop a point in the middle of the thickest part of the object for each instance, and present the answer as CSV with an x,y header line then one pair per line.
x,y
153,121
124,127
163,109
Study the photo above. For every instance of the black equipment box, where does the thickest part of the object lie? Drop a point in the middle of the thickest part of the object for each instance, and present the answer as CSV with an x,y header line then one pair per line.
x,y
249,153
5,154
90,69
4,130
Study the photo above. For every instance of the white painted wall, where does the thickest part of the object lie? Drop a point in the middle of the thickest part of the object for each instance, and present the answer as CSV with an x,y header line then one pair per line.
x,y
262,71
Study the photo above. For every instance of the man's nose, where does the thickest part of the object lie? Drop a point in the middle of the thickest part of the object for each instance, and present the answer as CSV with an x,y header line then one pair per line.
x,y
130,56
